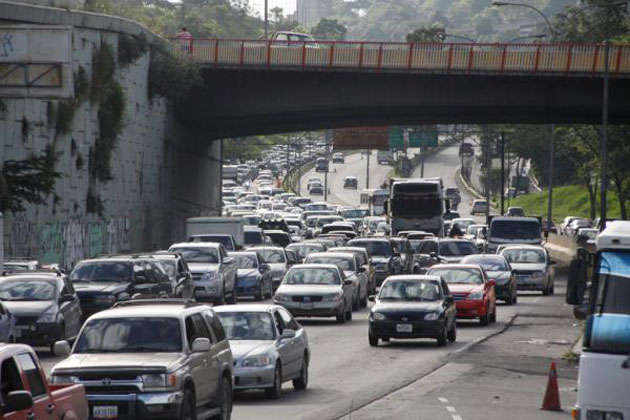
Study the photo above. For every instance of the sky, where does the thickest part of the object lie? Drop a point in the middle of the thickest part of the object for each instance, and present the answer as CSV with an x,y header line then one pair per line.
x,y
288,6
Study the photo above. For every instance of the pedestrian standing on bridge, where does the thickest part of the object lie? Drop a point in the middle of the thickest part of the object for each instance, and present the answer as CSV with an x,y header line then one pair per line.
x,y
185,40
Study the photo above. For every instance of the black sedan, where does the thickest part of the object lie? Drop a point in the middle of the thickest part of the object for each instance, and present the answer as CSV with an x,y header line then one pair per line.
x,y
498,269
413,306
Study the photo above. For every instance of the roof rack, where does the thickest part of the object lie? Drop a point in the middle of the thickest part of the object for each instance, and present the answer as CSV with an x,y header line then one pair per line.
x,y
19,259
58,273
131,256
187,303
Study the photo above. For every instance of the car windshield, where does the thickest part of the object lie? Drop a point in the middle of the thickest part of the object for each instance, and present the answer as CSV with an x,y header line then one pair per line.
x,y
198,255
373,224
106,271
318,276
246,261
458,275
409,290
273,256
130,335
531,256
356,214
253,238
247,325
304,250
226,241
378,248
511,229
487,263
25,289
455,248
252,221
346,264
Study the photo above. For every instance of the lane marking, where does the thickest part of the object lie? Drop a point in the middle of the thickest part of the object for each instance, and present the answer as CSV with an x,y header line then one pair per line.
x,y
443,400
451,409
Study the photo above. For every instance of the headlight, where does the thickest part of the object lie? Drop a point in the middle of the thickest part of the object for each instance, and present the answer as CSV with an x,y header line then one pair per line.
x,y
331,298
105,300
433,316
158,380
256,361
280,297
47,317
377,316
62,379
475,296
209,276
538,274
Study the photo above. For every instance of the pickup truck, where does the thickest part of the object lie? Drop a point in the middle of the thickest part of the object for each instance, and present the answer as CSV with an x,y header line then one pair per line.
x,y
26,393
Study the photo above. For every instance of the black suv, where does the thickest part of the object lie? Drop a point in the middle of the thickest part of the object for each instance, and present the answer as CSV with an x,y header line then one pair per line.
x,y
103,281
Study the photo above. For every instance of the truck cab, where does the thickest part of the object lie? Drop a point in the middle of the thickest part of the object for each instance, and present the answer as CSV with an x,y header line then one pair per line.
x,y
604,374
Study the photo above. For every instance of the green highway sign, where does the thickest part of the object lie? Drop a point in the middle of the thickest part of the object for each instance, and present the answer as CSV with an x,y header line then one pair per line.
x,y
401,137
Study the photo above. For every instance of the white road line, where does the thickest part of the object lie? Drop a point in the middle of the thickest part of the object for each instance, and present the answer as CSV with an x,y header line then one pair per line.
x,y
456,417
443,400
450,409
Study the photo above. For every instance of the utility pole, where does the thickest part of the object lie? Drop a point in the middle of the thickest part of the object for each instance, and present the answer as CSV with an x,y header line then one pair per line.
x,y
267,19
299,168
604,151
552,145
422,153
487,149
288,152
367,170
326,173
502,173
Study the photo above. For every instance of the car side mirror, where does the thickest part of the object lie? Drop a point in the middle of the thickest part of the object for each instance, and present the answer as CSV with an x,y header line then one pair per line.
x,y
239,247
362,270
396,254
228,260
140,279
287,333
625,364
17,401
552,261
61,348
347,282
433,254
449,299
66,298
372,298
492,283
201,345
263,267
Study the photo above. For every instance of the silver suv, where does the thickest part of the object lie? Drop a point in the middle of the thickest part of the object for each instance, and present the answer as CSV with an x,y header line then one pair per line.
x,y
151,359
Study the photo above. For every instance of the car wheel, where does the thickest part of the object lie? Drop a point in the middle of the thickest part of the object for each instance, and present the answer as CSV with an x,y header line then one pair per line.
x,y
301,382
259,293
234,296
515,298
349,315
485,319
551,291
341,319
452,334
372,340
442,340
188,406
275,391
355,302
226,399
364,301
545,292
493,316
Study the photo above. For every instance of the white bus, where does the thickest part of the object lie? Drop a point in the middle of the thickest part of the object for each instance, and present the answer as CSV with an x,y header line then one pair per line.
x,y
374,200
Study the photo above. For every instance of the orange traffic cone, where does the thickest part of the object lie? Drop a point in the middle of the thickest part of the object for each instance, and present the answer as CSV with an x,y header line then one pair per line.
x,y
551,401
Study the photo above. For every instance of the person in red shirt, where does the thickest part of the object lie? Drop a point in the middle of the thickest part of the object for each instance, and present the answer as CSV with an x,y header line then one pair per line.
x,y
185,40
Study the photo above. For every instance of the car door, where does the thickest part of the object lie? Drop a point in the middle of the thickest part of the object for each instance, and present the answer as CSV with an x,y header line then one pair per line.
x,y
43,404
348,289
284,347
163,285
69,308
204,378
297,344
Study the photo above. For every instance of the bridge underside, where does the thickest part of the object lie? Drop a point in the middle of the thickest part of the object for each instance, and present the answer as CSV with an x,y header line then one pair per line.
x,y
246,102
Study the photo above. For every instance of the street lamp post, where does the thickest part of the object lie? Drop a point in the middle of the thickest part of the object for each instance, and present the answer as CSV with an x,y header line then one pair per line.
x,y
266,19
465,38
522,38
528,6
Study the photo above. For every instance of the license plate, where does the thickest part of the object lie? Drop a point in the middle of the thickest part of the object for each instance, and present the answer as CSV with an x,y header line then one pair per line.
x,y
105,412
404,328
307,306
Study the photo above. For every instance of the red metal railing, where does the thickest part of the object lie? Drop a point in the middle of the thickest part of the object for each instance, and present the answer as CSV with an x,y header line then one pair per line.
x,y
445,57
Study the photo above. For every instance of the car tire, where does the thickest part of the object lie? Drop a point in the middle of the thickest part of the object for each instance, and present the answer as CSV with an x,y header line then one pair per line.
x,y
372,340
485,319
442,340
364,301
234,296
301,382
188,406
452,334
355,302
275,391
349,315
545,292
341,319
259,294
515,298
551,291
493,316
226,399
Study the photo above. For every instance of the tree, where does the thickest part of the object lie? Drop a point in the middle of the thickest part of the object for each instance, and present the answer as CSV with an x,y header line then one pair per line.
x,y
329,29
427,33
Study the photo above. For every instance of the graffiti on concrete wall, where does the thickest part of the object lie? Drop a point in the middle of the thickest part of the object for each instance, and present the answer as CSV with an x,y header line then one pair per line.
x,y
68,242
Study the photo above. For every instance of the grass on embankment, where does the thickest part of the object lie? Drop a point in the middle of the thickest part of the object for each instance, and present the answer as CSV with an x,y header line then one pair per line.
x,y
570,200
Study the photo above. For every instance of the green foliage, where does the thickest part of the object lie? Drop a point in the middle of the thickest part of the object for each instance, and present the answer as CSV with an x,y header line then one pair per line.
x,y
81,85
30,180
330,29
172,77
428,33
103,68
111,114
26,129
94,203
130,48
65,116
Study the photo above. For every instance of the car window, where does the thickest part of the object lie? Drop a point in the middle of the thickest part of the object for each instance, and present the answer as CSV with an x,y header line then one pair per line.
x,y
289,321
25,289
10,377
428,247
32,374
248,325
191,331
200,327
531,256
279,322
215,324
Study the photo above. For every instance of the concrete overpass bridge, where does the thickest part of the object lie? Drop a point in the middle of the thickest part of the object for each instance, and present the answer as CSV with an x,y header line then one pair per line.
x,y
257,87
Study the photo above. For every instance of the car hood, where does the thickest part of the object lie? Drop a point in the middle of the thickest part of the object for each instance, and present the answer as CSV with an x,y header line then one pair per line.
x,y
244,348
28,308
99,287
202,267
391,307
308,289
247,272
528,267
463,288
114,361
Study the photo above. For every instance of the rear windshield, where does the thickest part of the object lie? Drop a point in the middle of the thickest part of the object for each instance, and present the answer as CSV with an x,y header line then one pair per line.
x,y
198,255
457,248
458,275
378,248
512,229
253,238
107,271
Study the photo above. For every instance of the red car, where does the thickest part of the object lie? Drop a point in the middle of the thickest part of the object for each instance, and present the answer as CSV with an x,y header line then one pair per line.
x,y
472,290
